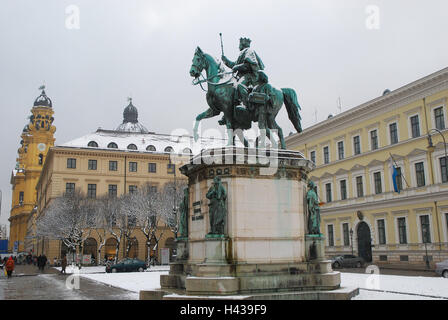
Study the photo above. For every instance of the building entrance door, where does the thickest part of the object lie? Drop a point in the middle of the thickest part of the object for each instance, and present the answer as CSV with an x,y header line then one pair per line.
x,y
364,242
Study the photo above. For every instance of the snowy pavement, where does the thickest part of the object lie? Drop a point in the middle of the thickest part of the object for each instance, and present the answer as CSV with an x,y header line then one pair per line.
x,y
372,287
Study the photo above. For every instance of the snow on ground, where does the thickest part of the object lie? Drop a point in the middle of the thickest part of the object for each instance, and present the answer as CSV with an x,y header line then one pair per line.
x,y
425,286
132,281
379,287
102,269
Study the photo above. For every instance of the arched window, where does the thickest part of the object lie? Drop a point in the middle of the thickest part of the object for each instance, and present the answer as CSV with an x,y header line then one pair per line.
x,y
132,147
150,148
41,159
112,145
187,150
169,149
92,144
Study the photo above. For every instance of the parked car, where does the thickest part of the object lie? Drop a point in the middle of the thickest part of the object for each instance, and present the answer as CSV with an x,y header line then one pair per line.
x,y
127,265
442,268
347,260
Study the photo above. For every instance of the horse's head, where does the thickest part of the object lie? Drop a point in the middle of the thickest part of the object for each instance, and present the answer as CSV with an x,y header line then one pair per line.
x,y
199,63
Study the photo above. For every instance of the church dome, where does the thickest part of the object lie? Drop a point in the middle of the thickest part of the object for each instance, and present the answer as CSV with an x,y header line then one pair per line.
x,y
130,120
43,100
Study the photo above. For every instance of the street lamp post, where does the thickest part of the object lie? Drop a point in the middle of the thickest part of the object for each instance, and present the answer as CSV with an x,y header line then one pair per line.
x,y
351,238
431,149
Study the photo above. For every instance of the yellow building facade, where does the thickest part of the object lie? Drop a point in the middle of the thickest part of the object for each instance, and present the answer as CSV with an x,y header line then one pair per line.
x,y
37,138
355,153
112,162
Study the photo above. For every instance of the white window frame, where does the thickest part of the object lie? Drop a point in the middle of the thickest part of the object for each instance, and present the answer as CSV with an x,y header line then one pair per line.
x,y
378,231
377,137
397,235
324,190
355,188
353,144
373,170
388,132
315,155
323,154
437,155
328,236
410,124
337,149
412,162
342,234
347,187
433,116
419,227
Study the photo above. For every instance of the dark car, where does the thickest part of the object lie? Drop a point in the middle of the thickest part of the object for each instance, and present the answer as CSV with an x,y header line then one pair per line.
x,y
127,265
442,268
347,260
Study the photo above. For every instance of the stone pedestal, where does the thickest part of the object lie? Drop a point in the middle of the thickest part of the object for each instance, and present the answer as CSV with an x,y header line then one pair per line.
x,y
315,247
265,249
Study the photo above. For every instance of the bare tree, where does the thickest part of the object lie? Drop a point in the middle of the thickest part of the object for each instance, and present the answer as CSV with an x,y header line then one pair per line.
x,y
171,197
68,218
145,207
110,209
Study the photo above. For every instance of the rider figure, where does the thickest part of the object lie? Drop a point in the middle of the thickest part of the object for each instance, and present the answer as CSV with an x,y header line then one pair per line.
x,y
247,67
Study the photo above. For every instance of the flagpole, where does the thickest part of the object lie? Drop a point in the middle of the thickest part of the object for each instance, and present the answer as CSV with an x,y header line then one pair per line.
x,y
402,175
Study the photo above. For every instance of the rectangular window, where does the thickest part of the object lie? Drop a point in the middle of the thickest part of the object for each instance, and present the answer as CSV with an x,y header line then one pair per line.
x,y
328,191
92,165
404,258
132,166
153,189
113,165
313,156
343,190
359,187
341,150
399,178
444,169
439,119
113,190
330,235
21,197
377,180
426,233
71,163
152,167
132,189
383,258
357,145
326,155
381,231
393,133
415,127
69,187
402,230
171,168
346,233
420,174
91,190
374,139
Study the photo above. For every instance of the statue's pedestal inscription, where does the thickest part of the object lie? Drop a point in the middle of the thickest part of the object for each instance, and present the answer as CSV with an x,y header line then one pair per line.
x,y
264,247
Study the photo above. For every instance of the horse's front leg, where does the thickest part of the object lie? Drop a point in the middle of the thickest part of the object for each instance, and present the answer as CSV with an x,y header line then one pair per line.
x,y
230,134
204,115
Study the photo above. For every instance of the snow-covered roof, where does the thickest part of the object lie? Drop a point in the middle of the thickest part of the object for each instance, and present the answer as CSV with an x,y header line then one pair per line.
x,y
132,127
104,139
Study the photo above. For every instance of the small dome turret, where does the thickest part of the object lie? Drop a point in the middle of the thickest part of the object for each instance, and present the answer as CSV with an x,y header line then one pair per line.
x,y
130,120
43,100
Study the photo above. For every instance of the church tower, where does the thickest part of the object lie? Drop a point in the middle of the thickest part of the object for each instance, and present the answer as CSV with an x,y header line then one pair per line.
x,y
36,139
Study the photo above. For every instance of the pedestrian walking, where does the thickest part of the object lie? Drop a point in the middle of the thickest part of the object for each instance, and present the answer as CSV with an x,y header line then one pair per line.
x,y
44,261
9,266
63,264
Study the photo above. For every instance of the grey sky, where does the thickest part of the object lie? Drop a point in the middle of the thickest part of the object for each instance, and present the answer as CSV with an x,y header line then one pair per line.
x,y
321,48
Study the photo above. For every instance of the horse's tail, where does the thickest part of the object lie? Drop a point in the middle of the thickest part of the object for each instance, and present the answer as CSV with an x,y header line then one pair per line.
x,y
293,107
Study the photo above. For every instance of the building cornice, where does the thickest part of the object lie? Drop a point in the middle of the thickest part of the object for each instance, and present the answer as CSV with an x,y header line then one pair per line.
x,y
413,91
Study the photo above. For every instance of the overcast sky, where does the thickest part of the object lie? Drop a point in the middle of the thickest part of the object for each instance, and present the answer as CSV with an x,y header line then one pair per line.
x,y
324,49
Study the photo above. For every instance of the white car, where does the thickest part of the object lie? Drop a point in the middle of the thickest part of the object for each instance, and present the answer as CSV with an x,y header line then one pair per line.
x,y
442,268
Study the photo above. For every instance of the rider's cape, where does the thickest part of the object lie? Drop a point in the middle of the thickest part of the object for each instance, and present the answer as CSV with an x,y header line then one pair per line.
x,y
250,56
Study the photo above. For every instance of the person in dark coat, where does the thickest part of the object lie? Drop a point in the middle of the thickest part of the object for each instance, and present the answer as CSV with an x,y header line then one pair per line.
x,y
63,264
9,266
44,261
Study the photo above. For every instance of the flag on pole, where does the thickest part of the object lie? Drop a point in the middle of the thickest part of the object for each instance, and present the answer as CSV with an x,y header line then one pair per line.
x,y
394,176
